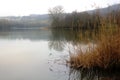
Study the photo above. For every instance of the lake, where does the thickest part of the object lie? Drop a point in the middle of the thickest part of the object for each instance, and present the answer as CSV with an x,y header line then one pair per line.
x,y
30,55
39,55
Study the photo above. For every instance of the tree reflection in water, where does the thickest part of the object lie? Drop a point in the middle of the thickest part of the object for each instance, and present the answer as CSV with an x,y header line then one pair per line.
x,y
60,37
58,41
57,45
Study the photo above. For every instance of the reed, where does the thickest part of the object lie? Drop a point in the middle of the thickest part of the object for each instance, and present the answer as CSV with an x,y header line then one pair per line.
x,y
104,53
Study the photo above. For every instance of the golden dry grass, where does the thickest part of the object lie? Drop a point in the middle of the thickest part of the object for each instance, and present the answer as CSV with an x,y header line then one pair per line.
x,y
105,55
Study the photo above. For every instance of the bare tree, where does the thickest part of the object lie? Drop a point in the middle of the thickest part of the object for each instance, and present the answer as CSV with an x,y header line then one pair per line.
x,y
56,15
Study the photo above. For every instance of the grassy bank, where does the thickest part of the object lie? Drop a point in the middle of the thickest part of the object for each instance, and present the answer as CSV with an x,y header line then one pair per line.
x,y
105,54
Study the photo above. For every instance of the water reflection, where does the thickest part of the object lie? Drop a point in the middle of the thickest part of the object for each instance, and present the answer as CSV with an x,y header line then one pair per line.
x,y
33,35
58,41
57,45
24,55
36,55
93,75
59,38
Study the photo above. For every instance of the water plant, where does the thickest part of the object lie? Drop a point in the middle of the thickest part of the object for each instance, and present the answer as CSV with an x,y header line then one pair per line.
x,y
104,53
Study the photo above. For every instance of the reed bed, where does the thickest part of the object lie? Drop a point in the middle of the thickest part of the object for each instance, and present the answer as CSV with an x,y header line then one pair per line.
x,y
104,54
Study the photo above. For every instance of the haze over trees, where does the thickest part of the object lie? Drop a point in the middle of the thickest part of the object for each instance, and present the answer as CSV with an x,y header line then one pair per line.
x,y
85,20
57,18
24,22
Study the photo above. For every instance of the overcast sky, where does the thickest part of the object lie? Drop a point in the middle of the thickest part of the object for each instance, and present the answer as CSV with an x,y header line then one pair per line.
x,y
27,7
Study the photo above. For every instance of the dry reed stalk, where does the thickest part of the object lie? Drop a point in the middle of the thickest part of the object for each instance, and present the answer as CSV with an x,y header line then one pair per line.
x,y
105,55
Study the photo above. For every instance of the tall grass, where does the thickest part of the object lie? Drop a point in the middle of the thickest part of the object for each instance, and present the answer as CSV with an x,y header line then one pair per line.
x,y
104,53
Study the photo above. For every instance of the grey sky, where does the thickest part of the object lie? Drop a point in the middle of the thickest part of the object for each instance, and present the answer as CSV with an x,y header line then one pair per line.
x,y
27,7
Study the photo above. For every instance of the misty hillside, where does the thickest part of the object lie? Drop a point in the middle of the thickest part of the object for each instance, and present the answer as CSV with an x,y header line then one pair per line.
x,y
31,21
27,18
37,21
106,10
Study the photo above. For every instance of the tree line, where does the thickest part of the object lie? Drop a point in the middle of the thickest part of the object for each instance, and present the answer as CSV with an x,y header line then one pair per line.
x,y
20,23
82,20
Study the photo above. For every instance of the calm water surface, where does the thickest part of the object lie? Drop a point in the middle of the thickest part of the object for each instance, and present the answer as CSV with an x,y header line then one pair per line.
x,y
29,55
39,55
